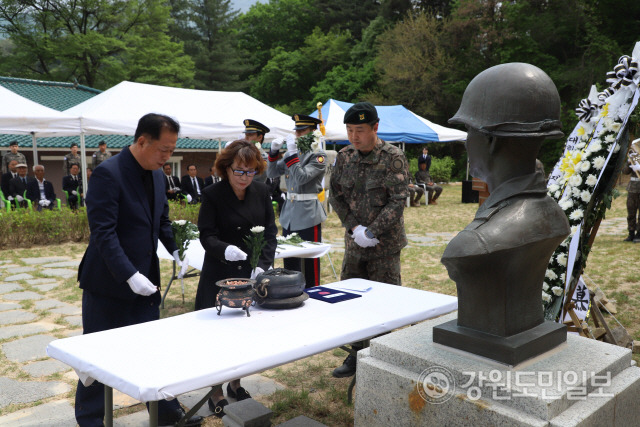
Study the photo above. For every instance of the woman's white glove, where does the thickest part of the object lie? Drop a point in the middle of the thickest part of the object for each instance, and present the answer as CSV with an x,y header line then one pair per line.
x,y
141,285
361,239
189,198
183,264
292,148
276,145
256,271
233,253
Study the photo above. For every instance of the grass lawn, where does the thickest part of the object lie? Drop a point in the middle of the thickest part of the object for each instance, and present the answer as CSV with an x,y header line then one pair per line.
x,y
310,389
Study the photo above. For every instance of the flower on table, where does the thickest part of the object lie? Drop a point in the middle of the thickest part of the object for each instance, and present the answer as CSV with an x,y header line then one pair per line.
x,y
183,233
255,243
257,229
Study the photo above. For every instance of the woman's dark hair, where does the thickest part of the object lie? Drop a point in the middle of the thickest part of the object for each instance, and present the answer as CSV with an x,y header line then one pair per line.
x,y
244,152
152,125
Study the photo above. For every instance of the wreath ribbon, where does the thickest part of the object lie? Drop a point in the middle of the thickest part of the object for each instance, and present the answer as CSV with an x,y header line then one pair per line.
x,y
623,73
586,110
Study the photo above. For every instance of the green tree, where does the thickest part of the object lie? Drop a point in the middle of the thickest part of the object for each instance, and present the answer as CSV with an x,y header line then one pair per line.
x,y
97,42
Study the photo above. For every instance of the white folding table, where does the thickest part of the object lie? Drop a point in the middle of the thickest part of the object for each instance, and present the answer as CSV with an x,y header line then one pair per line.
x,y
144,362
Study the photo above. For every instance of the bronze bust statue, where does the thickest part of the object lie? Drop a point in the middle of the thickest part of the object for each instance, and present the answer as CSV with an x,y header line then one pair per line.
x,y
499,260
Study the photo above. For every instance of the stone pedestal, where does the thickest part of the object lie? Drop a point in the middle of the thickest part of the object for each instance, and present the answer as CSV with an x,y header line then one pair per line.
x,y
404,379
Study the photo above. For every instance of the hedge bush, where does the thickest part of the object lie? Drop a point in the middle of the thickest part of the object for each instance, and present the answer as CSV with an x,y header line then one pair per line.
x,y
440,170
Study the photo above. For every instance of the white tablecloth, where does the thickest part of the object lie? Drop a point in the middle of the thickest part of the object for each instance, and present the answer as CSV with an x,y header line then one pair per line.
x,y
195,252
168,357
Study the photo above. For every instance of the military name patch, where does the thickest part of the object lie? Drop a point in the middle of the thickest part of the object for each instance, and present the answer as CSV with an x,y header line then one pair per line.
x,y
320,159
397,165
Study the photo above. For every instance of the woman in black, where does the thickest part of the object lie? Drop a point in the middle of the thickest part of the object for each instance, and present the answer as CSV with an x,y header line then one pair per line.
x,y
230,208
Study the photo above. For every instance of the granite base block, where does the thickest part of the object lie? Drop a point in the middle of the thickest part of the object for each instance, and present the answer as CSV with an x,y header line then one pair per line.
x,y
405,379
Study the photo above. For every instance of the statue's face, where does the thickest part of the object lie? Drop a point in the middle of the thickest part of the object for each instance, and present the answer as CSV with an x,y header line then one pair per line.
x,y
478,150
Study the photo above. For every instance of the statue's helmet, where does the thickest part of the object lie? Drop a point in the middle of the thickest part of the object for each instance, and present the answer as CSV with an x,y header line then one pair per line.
x,y
511,100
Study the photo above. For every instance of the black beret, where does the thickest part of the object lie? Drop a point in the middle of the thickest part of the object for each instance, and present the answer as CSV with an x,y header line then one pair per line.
x,y
102,143
362,112
303,122
73,144
252,126
13,143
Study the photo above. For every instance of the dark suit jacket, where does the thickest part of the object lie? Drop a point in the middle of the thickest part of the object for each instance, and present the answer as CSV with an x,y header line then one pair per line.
x,y
124,231
176,183
69,184
16,187
224,220
4,183
187,187
33,191
209,181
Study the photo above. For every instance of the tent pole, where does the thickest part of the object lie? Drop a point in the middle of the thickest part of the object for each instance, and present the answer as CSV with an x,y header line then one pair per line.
x,y
83,161
35,148
467,168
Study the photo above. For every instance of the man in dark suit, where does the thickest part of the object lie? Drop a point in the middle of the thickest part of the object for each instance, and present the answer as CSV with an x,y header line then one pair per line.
x,y
172,184
119,273
192,184
40,191
212,178
72,184
425,158
6,177
18,185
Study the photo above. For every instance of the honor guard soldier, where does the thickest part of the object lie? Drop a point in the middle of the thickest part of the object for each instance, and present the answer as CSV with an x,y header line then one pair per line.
x,y
73,158
101,155
254,131
12,155
303,168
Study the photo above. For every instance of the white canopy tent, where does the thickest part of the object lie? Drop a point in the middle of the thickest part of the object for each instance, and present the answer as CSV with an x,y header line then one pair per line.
x,y
20,116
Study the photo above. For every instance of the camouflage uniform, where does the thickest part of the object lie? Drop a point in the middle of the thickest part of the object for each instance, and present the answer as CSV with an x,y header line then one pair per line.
x,y
371,190
633,201
7,158
69,160
99,157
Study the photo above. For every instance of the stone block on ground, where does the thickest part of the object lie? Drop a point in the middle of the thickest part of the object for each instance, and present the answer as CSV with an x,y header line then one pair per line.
x,y
57,413
16,316
5,306
59,272
72,263
16,277
248,413
9,287
302,421
44,368
48,303
23,330
41,281
74,320
15,392
27,349
16,270
47,287
21,296
44,260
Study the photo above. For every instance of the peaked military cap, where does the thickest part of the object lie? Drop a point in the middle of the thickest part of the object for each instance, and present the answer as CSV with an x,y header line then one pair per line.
x,y
362,112
252,126
102,143
303,122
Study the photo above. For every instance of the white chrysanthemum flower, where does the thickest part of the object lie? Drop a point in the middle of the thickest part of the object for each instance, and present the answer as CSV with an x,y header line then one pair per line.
x,y
591,180
617,148
585,137
551,275
562,259
564,243
576,215
317,133
557,194
595,146
565,204
610,138
546,297
557,290
616,127
585,154
545,286
585,166
585,196
575,180
580,145
553,188
181,221
562,276
607,123
292,235
598,162
257,229
281,239
575,192
574,230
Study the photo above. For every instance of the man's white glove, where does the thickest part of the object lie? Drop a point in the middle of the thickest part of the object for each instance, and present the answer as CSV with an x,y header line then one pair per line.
x,y
233,253
74,192
292,148
276,145
183,264
361,239
19,198
141,285
189,198
42,202
256,271
10,198
635,167
47,202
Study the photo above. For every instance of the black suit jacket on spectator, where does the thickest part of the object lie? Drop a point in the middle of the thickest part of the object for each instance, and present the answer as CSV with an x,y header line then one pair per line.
x,y
33,191
209,180
17,187
187,187
176,183
69,184
4,183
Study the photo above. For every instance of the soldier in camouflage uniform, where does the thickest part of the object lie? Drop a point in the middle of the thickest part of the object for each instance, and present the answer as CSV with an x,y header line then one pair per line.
x,y
369,186
100,156
302,212
13,155
633,202
73,158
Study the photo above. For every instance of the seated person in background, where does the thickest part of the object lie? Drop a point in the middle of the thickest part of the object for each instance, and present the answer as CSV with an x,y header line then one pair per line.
x,y
40,191
423,178
7,177
172,184
212,178
18,185
415,193
72,184
192,184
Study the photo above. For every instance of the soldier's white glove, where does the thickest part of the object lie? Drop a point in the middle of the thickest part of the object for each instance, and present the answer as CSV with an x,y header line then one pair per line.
x,y
189,198
276,145
361,238
183,264
19,198
74,192
233,253
635,168
42,202
10,198
292,148
46,203
256,271
140,285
